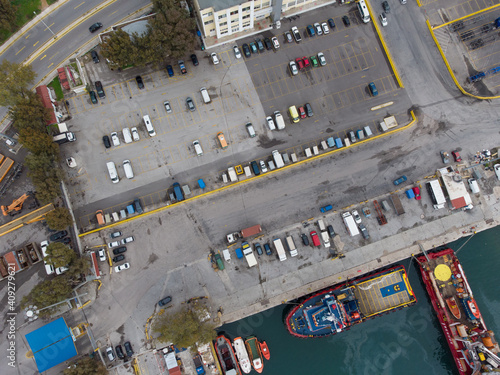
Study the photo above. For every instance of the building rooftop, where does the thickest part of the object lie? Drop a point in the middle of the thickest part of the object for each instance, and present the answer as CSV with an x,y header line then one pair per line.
x,y
219,4
455,187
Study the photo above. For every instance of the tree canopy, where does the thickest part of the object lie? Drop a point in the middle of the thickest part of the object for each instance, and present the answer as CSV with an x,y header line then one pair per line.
x,y
7,15
185,328
59,218
17,80
59,255
47,293
86,366
28,112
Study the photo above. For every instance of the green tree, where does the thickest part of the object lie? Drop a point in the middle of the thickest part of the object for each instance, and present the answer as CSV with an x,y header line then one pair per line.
x,y
171,31
7,15
17,80
119,49
76,268
29,112
86,366
59,218
38,141
185,327
45,175
47,293
59,255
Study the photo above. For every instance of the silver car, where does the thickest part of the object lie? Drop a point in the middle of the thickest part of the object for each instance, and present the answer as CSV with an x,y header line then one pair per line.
x,y
293,68
135,134
326,30
114,244
190,104
237,52
263,167
321,58
127,240
318,28
115,139
121,267
168,108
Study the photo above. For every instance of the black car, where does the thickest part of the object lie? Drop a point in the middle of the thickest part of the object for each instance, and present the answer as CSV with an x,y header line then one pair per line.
x,y
255,167
246,50
387,8
346,21
140,84
194,59
137,205
267,249
99,89
305,240
331,23
309,110
58,235
119,250
118,258
331,232
93,97
95,57
268,43
119,352
106,141
260,45
165,301
96,26
128,349
258,249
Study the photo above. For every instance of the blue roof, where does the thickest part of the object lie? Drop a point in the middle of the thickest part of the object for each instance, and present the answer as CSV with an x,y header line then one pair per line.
x,y
51,344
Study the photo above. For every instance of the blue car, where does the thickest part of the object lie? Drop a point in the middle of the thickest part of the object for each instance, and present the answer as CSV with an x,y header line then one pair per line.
x,y
170,71
400,180
373,89
310,30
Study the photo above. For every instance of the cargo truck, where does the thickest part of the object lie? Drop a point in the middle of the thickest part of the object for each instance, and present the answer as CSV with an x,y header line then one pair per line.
x,y
64,137
232,174
350,224
326,238
179,196
247,251
244,233
291,246
278,159
398,206
198,363
279,249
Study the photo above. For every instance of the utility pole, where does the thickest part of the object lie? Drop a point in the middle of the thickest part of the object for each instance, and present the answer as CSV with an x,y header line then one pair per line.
x,y
55,36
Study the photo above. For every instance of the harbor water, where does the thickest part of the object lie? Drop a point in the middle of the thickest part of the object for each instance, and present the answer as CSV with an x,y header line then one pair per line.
x,y
407,341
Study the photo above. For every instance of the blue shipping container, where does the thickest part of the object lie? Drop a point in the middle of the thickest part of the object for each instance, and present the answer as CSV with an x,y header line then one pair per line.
x,y
338,143
178,192
130,209
239,253
331,142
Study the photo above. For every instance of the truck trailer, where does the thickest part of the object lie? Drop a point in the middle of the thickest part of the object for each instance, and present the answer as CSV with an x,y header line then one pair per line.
x,y
350,224
278,159
244,233
291,246
398,206
279,249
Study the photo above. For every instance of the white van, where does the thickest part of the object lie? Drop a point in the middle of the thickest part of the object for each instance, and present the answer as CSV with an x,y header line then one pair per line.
x,y
112,172
197,148
126,135
149,126
474,187
127,168
205,96
321,225
250,130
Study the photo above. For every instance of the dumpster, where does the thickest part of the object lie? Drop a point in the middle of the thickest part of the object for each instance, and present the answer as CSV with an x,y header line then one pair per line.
x,y
201,183
338,143
410,194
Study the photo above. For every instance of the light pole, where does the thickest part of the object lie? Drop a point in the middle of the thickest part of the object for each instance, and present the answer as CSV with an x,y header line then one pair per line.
x,y
55,36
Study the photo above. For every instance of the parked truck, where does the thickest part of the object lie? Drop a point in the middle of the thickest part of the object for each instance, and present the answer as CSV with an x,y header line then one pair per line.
x,y
198,363
398,206
247,251
291,246
278,159
326,238
64,137
232,174
182,67
179,196
350,224
279,249
244,233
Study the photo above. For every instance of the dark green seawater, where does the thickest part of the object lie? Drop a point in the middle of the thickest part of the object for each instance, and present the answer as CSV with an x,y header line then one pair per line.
x,y
407,341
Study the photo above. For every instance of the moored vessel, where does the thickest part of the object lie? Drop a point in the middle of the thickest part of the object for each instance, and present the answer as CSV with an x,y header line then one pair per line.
x,y
242,355
472,346
254,353
264,350
227,358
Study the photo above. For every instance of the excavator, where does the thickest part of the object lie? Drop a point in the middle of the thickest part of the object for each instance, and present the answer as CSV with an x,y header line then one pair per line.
x,y
16,205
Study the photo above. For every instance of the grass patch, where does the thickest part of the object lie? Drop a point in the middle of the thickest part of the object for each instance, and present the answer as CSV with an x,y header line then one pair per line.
x,y
56,85
25,9
50,2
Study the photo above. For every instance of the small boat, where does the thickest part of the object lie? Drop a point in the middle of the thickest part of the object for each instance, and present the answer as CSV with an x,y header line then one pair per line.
x,y
242,355
253,350
471,304
452,305
227,359
264,350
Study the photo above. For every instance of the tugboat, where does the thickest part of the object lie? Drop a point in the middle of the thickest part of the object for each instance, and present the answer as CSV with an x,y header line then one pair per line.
x,y
264,350
226,356
254,353
242,355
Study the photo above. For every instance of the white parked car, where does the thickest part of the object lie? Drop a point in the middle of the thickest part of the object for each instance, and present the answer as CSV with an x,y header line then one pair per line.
x,y
115,139
135,134
168,108
293,68
71,162
383,19
215,59
326,30
102,255
263,167
318,28
497,170
321,58
61,270
121,267
356,217
127,240
237,52
270,123
114,244
49,268
276,43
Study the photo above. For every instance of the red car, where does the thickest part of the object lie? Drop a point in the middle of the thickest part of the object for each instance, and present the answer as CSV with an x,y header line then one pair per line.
x,y
306,62
315,238
300,63
416,191
302,112
456,156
